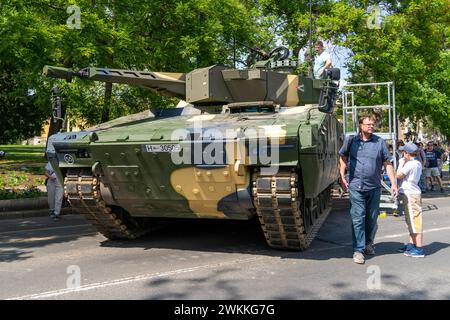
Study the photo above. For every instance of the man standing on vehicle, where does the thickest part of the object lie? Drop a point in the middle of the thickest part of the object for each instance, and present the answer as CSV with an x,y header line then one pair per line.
x,y
364,155
322,61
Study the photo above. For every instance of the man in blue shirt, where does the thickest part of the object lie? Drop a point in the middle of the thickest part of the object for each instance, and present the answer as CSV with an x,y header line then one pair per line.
x,y
364,155
432,167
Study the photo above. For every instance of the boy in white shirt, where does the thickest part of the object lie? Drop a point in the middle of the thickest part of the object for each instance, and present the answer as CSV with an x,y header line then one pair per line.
x,y
410,170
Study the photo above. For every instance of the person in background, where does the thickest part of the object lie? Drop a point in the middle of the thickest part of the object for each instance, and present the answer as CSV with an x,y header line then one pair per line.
x,y
399,154
55,192
409,171
440,161
399,210
446,158
391,151
431,168
421,157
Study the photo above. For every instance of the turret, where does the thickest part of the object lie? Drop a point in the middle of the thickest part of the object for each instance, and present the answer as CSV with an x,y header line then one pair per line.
x,y
267,80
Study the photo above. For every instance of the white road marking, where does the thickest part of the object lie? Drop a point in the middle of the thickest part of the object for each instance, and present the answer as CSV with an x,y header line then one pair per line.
x,y
142,277
407,233
49,238
391,236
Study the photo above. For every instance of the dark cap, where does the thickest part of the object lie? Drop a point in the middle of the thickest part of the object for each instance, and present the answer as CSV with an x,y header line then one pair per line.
x,y
409,147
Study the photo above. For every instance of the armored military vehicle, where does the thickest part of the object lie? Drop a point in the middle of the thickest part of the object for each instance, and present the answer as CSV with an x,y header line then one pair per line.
x,y
254,142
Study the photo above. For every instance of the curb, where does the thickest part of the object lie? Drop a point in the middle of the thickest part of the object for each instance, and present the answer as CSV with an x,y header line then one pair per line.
x,y
27,208
23,204
23,214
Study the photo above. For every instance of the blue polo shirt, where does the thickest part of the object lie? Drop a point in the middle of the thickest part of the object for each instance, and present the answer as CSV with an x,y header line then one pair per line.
x,y
365,161
432,158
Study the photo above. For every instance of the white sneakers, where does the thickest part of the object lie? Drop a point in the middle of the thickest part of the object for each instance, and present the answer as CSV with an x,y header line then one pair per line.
x,y
358,257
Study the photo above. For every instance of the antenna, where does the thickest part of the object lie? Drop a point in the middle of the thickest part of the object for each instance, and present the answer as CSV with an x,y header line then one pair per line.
x,y
57,112
234,51
310,40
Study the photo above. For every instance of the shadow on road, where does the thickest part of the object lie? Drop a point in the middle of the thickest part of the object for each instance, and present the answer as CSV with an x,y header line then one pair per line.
x,y
333,240
245,237
26,235
167,288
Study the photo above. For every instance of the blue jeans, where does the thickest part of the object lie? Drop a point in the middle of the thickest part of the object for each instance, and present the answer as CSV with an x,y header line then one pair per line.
x,y
364,210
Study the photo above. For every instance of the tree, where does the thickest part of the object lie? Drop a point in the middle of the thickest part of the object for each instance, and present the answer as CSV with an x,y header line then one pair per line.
x,y
174,35
20,117
410,48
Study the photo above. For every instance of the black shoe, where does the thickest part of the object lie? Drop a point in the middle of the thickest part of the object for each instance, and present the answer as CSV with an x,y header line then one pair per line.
x,y
56,218
432,188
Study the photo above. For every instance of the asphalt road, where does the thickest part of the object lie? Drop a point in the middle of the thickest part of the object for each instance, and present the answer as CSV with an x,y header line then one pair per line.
x,y
41,259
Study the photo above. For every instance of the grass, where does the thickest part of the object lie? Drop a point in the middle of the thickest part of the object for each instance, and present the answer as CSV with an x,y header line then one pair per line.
x,y
22,154
21,171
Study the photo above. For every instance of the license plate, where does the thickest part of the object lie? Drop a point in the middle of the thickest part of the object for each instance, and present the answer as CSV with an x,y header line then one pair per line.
x,y
162,148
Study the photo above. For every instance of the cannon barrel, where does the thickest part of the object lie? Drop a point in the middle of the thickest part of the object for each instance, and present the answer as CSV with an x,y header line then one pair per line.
x,y
213,85
167,83
58,72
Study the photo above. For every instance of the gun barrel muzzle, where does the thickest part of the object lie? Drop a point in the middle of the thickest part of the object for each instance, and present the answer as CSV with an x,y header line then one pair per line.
x,y
58,72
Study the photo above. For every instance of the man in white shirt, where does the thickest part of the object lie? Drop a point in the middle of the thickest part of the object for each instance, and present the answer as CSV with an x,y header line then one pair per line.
x,y
322,61
410,170
55,192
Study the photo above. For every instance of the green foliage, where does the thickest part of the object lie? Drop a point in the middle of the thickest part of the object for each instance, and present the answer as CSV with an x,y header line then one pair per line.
x,y
20,181
14,179
21,117
31,192
411,48
159,35
22,154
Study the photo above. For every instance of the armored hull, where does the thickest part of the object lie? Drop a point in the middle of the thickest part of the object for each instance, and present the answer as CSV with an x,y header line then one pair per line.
x,y
206,166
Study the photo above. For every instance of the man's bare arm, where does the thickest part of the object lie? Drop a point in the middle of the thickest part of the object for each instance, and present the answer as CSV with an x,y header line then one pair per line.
x,y
342,168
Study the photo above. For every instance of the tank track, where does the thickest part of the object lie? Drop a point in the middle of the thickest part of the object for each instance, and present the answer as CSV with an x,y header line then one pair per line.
x,y
277,200
82,189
